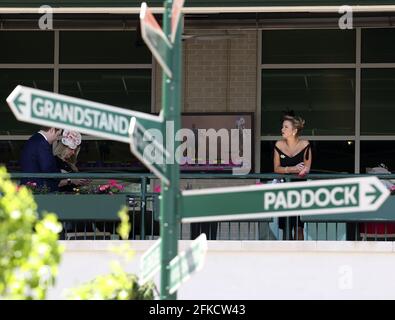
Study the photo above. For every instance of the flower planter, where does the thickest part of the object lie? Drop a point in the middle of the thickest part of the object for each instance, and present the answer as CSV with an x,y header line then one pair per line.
x,y
81,207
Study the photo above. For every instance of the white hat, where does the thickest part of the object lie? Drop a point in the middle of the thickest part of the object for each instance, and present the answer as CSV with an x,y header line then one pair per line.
x,y
72,139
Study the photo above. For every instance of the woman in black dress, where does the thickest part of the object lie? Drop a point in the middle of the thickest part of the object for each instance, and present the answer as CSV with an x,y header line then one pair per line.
x,y
292,155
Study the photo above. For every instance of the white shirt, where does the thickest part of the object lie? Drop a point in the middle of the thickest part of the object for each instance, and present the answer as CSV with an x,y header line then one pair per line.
x,y
40,132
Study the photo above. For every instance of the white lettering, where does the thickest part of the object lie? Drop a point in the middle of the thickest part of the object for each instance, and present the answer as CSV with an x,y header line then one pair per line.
x,y
281,201
322,202
349,195
170,141
46,21
293,199
124,125
187,145
269,199
48,107
38,107
244,149
336,202
78,115
307,198
346,20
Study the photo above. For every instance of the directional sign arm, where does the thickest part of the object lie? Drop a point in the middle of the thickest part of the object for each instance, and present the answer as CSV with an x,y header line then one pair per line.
x,y
176,15
154,38
285,199
187,262
60,111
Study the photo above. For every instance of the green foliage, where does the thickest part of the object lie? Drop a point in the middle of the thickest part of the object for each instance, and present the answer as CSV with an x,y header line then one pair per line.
x,y
29,251
118,285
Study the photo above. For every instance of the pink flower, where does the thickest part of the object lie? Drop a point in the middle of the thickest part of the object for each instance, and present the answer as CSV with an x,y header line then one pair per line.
x,y
112,182
157,189
104,187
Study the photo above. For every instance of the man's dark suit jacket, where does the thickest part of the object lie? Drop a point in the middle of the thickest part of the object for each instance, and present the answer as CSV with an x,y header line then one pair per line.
x,y
37,157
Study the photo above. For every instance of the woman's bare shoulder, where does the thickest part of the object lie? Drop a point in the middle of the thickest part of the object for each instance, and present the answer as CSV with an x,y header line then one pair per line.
x,y
304,143
279,143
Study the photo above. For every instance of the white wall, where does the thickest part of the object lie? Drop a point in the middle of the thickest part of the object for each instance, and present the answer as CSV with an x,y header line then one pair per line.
x,y
258,269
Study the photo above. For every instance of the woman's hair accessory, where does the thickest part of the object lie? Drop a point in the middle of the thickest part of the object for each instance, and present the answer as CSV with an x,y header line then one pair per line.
x,y
71,139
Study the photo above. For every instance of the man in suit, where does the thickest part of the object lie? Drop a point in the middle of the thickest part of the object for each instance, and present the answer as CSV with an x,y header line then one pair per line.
x,y
37,157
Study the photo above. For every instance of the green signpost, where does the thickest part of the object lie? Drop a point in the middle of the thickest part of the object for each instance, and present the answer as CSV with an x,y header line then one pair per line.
x,y
170,58
284,199
138,129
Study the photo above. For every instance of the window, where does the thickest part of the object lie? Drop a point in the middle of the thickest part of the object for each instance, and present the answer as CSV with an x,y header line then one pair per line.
x,y
130,89
308,46
27,47
9,79
127,84
375,152
377,102
378,45
103,47
107,155
318,96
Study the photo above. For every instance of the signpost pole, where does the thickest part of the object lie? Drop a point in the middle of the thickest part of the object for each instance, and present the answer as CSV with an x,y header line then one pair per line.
x,y
171,197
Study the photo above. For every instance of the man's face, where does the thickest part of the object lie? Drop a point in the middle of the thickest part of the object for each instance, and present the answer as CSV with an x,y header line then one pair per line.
x,y
53,135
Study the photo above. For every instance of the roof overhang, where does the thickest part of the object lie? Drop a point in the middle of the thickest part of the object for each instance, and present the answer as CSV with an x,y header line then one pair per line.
x,y
202,10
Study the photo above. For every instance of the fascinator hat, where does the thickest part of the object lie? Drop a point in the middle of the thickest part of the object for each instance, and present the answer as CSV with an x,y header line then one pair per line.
x,y
71,139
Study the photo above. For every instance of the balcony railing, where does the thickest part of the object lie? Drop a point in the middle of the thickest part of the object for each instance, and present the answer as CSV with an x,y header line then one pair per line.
x,y
95,217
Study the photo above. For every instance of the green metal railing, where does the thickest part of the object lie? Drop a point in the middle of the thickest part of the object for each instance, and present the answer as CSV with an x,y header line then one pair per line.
x,y
99,219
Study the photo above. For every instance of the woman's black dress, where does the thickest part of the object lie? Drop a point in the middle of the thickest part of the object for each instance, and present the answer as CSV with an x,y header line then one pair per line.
x,y
65,167
287,161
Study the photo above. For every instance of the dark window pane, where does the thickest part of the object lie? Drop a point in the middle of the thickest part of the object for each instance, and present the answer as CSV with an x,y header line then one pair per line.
x,y
9,154
102,47
102,155
107,156
26,47
378,45
130,89
328,156
375,152
377,101
324,98
308,46
9,79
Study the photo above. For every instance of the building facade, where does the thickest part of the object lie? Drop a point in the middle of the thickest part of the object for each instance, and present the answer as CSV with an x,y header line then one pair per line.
x,y
263,57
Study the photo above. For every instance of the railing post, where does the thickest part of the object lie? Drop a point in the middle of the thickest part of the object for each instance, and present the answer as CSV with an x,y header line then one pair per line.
x,y
143,202
288,230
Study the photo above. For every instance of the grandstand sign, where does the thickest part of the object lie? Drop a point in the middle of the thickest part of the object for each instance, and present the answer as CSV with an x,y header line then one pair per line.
x,y
284,199
60,111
